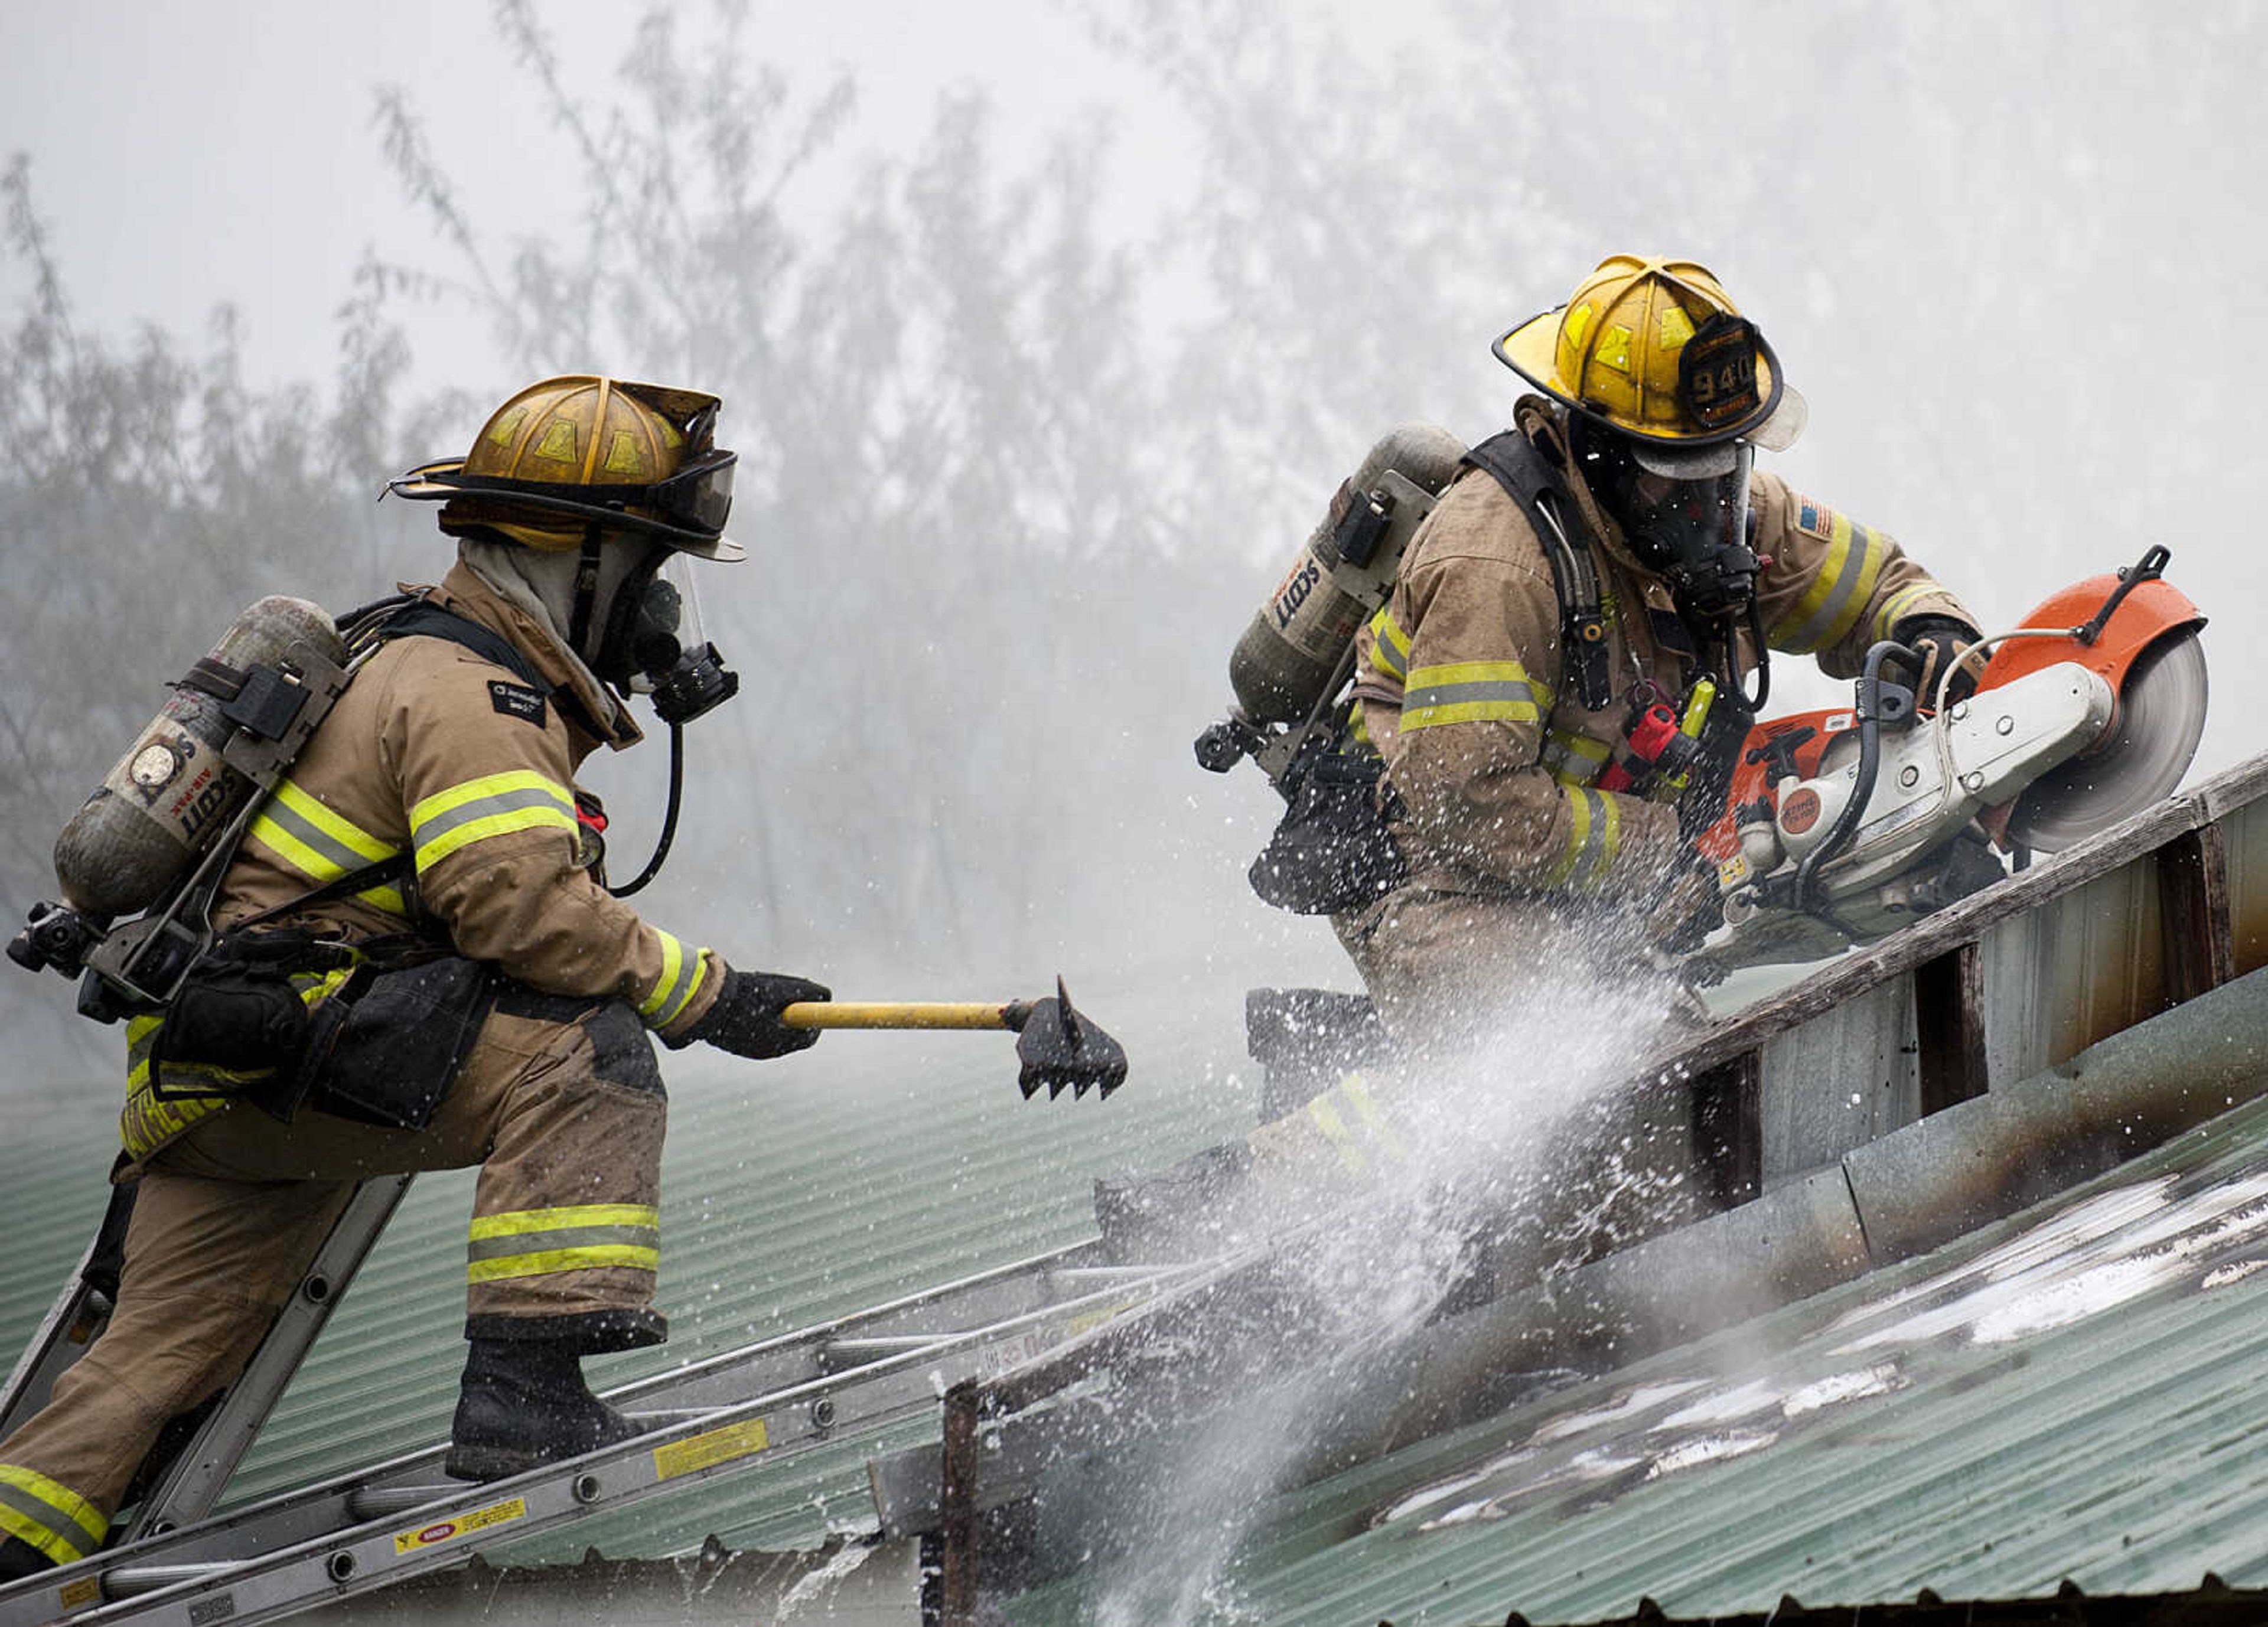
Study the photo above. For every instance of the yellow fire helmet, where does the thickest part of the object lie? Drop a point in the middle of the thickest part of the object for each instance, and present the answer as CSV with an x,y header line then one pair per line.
x,y
578,449
1656,349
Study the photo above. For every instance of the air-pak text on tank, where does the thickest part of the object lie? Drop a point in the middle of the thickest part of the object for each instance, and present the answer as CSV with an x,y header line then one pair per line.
x,y
199,800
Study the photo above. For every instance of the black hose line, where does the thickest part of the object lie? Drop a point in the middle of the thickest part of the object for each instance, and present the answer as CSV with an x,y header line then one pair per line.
x,y
1870,719
669,820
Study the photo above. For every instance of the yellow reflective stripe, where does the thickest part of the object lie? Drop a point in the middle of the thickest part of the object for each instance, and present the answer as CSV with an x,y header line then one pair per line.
x,y
322,844
1390,647
1837,596
1594,837
513,1222
333,824
1357,729
50,1515
1575,759
1610,841
494,804
555,1260
1894,608
145,1123
314,990
140,1039
1327,1119
1472,692
680,979
1374,1121
621,1235
1579,831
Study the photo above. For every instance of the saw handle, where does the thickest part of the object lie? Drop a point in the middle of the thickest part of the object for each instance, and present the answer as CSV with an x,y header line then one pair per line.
x,y
906,1015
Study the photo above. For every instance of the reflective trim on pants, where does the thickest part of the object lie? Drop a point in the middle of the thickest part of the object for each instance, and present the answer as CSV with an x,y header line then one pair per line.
x,y
50,1515
542,1242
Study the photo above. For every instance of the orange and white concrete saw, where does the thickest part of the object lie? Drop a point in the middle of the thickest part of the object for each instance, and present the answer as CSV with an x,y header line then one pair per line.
x,y
1843,826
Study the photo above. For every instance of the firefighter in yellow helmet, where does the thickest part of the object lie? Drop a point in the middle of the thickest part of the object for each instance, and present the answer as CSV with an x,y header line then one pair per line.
x,y
1613,550
1501,695
460,985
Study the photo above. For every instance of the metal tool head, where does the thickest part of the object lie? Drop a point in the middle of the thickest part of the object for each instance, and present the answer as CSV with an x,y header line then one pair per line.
x,y
2162,708
1059,1047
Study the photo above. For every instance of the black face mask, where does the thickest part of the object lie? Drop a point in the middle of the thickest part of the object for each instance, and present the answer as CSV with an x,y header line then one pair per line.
x,y
1693,534
642,641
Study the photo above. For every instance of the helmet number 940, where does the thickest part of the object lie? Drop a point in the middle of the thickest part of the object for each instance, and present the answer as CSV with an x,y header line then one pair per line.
x,y
1717,371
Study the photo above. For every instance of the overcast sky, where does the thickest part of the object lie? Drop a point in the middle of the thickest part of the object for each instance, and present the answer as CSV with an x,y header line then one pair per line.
x,y
185,155
2006,249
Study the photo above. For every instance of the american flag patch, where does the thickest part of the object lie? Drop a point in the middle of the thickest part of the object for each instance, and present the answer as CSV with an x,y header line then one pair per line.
x,y
1816,518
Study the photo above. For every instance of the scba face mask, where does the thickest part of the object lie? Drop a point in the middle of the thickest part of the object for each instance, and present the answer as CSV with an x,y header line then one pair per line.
x,y
655,645
1690,525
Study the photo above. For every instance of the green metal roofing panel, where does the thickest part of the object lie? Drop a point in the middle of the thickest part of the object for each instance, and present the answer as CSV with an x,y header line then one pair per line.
x,y
793,1192
2071,1392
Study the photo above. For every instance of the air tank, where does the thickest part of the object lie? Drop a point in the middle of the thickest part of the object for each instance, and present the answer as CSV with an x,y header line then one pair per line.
x,y
1293,645
167,801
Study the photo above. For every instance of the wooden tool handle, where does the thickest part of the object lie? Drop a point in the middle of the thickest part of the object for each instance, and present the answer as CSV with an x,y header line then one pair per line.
x,y
903,1014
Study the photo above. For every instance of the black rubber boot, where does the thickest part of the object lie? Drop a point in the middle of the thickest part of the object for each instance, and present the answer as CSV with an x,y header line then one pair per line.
x,y
20,1559
523,1403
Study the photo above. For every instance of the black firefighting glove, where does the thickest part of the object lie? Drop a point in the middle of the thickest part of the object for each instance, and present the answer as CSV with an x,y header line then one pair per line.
x,y
745,1018
1940,639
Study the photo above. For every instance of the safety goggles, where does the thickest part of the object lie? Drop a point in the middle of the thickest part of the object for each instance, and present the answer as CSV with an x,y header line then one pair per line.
x,y
690,507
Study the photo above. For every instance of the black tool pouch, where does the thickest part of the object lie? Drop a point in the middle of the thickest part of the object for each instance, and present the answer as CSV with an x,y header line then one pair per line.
x,y
1332,852
386,1053
246,1019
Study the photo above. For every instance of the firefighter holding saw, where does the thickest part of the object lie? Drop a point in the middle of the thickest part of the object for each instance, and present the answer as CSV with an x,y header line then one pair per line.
x,y
1546,703
419,964
1588,611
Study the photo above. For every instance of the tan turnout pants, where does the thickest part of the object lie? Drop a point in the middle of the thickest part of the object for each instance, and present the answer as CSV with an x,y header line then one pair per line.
x,y
1514,1027
560,1104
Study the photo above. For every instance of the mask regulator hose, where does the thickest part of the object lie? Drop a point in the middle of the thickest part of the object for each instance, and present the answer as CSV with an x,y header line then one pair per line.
x,y
668,820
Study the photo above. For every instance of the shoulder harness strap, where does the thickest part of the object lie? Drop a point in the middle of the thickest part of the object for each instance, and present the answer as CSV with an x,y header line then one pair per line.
x,y
408,618
1514,461
422,618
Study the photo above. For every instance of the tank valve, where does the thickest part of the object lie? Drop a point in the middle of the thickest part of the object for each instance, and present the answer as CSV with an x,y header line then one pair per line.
x,y
56,936
1225,743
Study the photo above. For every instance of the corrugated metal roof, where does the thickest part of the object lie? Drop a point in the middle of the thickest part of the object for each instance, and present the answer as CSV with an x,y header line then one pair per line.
x,y
2071,1392
792,1192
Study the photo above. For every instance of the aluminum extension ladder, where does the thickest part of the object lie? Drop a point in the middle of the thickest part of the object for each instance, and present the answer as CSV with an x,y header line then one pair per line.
x,y
172,1562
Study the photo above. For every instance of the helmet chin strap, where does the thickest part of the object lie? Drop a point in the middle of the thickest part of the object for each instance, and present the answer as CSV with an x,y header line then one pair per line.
x,y
586,594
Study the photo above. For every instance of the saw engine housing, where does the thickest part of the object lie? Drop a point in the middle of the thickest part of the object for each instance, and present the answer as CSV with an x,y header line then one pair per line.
x,y
1843,826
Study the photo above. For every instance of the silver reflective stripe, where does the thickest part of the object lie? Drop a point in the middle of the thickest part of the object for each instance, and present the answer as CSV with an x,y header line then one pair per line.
x,y
1595,839
1855,554
1577,757
1460,694
567,1237
483,808
50,1518
319,841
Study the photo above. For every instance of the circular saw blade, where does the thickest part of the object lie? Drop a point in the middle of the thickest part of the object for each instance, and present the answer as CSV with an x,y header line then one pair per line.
x,y
2160,719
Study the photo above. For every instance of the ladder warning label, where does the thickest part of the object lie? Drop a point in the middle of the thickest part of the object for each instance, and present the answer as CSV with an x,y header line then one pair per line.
x,y
719,1446
444,1530
86,1590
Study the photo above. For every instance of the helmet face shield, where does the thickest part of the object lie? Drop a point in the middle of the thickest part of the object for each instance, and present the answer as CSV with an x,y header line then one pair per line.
x,y
656,645
1690,527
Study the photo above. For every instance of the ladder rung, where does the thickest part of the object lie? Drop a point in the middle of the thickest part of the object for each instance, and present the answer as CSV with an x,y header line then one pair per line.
x,y
377,1502
883,1343
1102,1276
662,1417
131,1581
